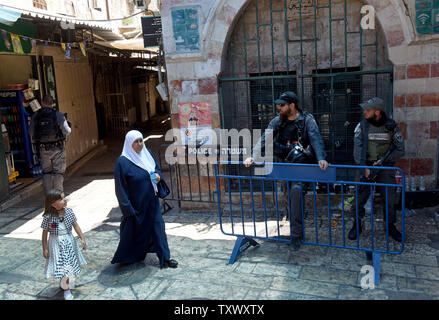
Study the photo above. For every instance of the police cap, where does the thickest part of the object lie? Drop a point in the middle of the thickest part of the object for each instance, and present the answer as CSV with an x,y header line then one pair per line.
x,y
287,98
374,103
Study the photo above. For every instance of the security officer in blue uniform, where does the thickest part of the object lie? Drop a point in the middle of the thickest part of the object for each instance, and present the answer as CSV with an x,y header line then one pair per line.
x,y
377,142
296,139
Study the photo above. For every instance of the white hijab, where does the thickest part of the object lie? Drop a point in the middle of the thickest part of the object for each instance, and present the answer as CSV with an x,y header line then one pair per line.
x,y
143,159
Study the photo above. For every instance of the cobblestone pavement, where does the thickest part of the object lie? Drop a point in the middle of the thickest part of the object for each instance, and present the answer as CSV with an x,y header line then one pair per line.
x,y
270,271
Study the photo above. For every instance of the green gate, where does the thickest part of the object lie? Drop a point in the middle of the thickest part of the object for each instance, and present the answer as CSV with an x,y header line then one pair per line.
x,y
315,48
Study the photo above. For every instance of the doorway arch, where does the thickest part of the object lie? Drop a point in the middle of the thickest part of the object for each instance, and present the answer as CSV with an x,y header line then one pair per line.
x,y
315,48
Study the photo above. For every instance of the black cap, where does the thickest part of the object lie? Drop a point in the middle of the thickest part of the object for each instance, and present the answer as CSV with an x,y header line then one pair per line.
x,y
287,97
374,103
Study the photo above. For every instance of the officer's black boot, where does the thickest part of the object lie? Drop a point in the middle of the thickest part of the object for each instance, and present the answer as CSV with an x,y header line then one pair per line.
x,y
394,233
369,257
353,232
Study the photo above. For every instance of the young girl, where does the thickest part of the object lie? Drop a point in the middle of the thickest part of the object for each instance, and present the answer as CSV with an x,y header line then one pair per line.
x,y
63,256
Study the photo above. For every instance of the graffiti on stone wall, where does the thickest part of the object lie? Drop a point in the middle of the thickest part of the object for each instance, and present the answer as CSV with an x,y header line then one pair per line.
x,y
293,9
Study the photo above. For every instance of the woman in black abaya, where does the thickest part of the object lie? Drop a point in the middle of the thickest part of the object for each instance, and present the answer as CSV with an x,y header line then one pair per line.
x,y
142,229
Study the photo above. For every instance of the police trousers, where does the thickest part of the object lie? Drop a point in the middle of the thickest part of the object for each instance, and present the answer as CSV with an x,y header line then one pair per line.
x,y
296,193
383,176
53,165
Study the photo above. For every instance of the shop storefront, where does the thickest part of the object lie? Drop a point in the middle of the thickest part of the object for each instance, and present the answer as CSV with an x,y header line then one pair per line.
x,y
29,69
20,96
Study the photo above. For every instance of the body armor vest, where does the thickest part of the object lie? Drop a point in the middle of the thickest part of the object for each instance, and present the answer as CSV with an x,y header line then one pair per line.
x,y
378,142
47,129
293,131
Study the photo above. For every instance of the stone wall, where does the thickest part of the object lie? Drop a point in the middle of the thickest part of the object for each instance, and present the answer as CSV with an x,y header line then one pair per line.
x,y
317,39
192,76
74,86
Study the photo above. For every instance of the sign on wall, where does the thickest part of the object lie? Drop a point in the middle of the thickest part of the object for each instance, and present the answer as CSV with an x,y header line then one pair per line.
x,y
294,9
152,31
195,123
427,16
185,25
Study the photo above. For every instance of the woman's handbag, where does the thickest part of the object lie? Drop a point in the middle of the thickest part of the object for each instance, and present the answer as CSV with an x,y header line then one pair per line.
x,y
162,189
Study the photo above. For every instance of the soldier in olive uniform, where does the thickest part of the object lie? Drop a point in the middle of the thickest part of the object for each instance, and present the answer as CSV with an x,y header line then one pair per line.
x,y
378,142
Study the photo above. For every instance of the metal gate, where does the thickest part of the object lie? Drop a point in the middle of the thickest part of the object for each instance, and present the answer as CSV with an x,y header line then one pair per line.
x,y
315,48
188,181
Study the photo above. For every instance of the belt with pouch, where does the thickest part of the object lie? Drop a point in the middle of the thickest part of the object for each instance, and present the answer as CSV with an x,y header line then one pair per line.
x,y
52,145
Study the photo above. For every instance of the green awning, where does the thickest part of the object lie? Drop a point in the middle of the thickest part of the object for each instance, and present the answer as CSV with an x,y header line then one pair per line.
x,y
25,31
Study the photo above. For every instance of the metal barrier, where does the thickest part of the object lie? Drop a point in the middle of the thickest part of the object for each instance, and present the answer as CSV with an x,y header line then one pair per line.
x,y
189,181
243,218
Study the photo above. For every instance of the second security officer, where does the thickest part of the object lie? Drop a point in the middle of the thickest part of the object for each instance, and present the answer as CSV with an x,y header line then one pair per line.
x,y
377,142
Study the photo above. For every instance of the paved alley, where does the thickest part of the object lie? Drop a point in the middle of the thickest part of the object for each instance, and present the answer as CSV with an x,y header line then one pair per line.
x,y
270,271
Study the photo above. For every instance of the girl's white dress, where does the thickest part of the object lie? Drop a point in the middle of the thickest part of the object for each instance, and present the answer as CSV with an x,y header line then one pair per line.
x,y
65,256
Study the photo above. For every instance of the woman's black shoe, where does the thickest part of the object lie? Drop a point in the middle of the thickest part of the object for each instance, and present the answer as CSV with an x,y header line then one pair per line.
x,y
171,263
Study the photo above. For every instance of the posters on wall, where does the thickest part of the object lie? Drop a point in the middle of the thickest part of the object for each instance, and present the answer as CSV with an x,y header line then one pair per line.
x,y
185,26
195,123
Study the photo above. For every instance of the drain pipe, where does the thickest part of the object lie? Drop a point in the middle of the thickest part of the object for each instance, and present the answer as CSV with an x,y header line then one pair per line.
x,y
108,9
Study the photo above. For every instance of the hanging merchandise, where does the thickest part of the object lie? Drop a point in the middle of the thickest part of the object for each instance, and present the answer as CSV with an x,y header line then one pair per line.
x,y
24,44
16,44
83,48
35,105
6,40
16,120
28,94
33,84
67,50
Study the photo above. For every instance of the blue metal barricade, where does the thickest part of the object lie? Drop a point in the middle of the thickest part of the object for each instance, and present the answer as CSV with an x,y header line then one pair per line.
x,y
252,208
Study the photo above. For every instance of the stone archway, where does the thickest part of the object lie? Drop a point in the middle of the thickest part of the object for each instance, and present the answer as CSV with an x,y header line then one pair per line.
x,y
391,15
310,54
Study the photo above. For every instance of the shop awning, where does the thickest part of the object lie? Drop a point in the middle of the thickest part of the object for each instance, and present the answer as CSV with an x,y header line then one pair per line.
x,y
131,44
8,16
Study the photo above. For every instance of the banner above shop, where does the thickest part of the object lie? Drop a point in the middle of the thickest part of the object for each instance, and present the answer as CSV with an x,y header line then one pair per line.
x,y
18,38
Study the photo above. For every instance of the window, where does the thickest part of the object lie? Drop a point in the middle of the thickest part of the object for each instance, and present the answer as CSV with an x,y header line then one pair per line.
x,y
40,4
69,7
337,119
262,94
